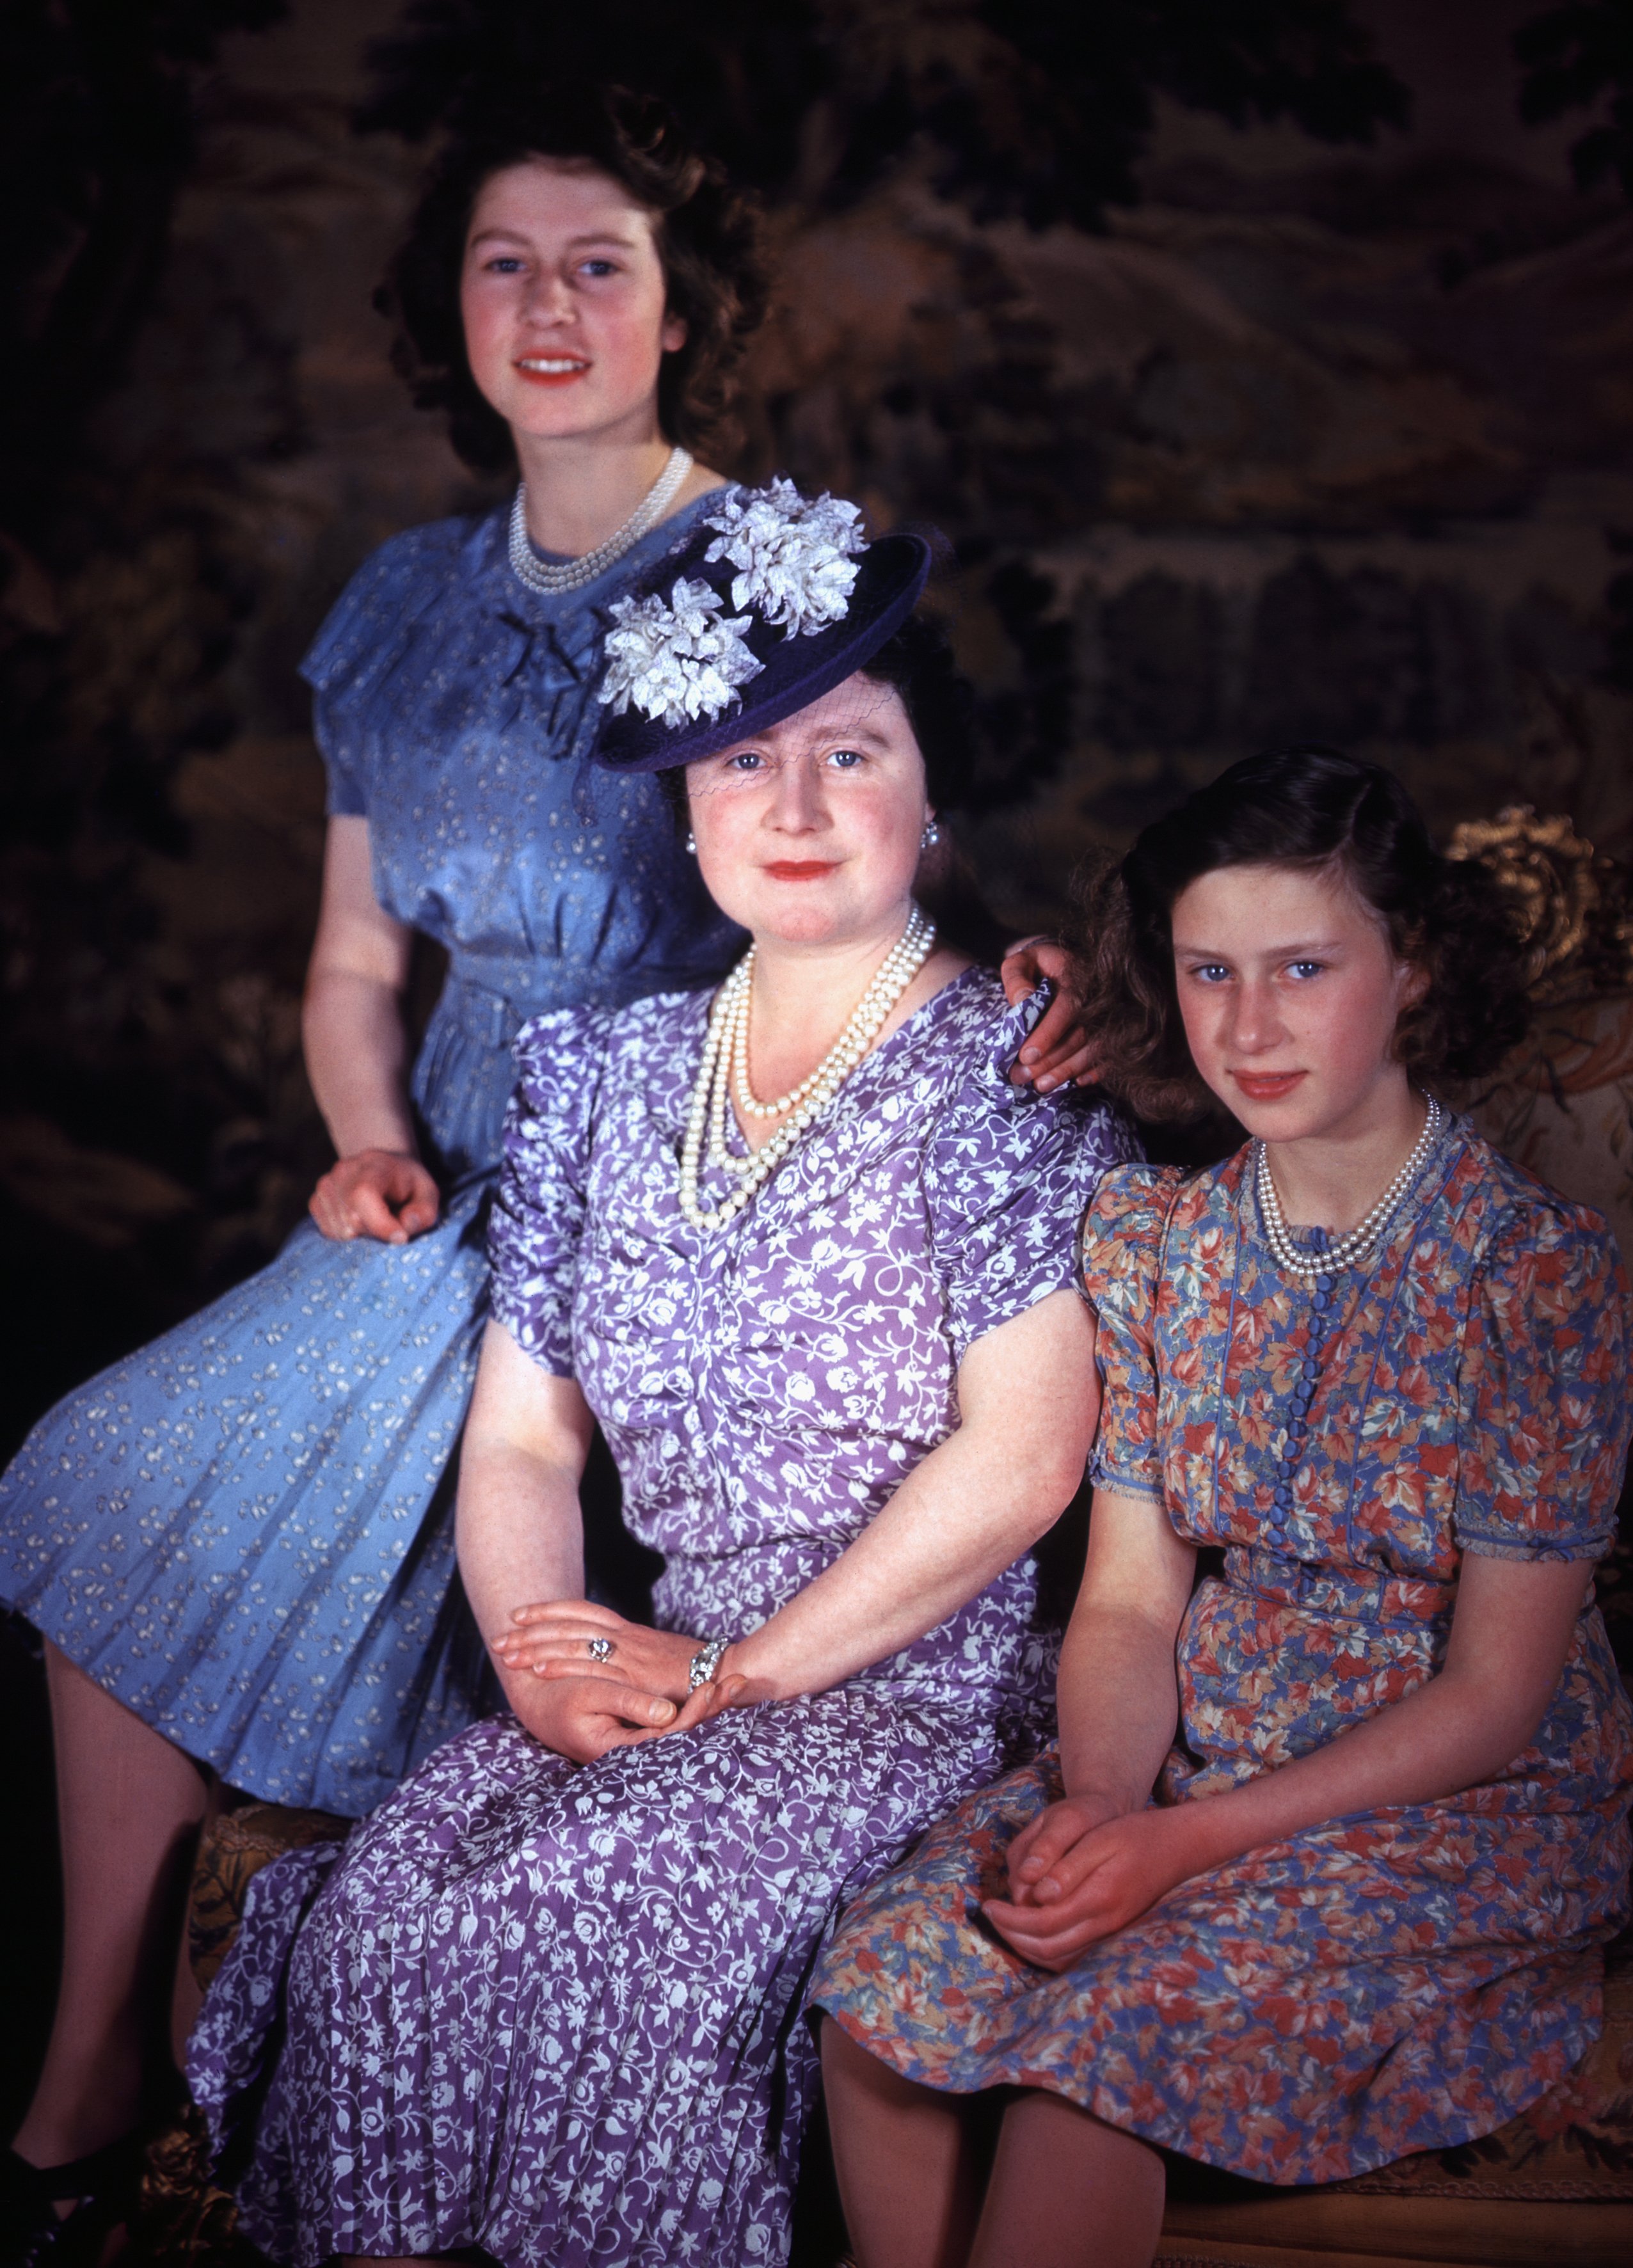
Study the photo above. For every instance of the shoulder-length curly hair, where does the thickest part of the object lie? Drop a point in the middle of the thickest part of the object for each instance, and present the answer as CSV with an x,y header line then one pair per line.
x,y
708,238
1309,807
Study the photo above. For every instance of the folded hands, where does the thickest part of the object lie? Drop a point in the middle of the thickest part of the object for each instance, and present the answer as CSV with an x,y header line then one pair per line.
x,y
1083,1869
634,1686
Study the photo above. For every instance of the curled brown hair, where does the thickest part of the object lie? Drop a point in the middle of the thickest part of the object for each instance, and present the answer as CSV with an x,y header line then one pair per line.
x,y
708,234
1309,807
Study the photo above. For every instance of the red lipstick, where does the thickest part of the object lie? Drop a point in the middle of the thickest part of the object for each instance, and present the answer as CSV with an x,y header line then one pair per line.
x,y
1266,1085
799,870
552,377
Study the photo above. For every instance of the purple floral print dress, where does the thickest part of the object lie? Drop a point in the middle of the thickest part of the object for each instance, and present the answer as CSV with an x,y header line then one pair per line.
x,y
555,2012
1389,1982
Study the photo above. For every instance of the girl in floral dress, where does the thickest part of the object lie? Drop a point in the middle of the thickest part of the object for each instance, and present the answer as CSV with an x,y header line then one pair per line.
x,y
1323,1867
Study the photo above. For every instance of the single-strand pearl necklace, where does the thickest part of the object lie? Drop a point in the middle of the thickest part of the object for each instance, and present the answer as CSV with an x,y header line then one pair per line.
x,y
550,581
1365,1233
725,1052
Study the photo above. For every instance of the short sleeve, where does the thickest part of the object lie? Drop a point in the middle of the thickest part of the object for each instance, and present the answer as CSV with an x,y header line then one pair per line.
x,y
537,1221
328,665
1120,1260
1007,1177
350,663
1544,1429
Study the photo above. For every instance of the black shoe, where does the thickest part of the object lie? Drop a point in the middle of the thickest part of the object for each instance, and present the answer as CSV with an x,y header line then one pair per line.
x,y
32,2233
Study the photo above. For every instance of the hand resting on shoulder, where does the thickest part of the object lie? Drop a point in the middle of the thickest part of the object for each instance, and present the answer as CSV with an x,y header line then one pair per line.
x,y
1060,1049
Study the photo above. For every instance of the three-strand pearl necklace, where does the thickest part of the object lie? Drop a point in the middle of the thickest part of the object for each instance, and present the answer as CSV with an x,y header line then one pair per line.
x,y
1365,1233
550,578
725,1067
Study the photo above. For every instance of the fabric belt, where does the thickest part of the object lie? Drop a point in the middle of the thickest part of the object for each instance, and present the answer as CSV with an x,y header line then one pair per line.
x,y
1348,1592
491,1018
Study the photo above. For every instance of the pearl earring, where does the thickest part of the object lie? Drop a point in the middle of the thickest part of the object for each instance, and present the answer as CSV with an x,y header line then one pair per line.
x,y
691,842
931,836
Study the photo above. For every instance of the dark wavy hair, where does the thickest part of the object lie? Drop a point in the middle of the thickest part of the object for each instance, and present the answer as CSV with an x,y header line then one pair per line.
x,y
917,661
708,238
1309,807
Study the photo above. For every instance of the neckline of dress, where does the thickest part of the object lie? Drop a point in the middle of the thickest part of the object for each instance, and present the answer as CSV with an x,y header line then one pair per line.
x,y
1439,1157
650,545
874,1056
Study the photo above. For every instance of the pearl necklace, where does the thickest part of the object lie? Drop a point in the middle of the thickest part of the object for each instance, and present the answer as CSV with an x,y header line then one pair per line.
x,y
1363,1235
550,581
725,1064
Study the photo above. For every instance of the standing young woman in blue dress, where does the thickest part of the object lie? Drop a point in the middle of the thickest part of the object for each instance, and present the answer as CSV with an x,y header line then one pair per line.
x,y
237,1542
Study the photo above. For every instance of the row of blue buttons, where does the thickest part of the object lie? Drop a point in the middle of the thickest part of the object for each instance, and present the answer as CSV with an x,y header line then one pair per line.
x,y
1303,1393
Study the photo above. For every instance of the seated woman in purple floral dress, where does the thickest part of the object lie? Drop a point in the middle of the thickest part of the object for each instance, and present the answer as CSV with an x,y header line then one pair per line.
x,y
1323,1869
807,1254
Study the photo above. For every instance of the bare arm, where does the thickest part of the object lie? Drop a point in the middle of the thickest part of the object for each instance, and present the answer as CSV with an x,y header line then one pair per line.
x,y
521,1537
517,1525
356,1053
1511,1634
1028,1398
1118,1688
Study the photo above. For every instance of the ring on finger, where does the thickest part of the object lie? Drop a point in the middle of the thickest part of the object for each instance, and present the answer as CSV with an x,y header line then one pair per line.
x,y
599,1649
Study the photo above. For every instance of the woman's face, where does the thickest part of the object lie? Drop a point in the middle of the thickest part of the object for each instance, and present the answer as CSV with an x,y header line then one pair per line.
x,y
808,833
1290,993
565,301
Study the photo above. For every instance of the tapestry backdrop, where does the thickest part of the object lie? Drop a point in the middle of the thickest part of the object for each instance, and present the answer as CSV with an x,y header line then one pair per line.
x,y
1267,365
1269,374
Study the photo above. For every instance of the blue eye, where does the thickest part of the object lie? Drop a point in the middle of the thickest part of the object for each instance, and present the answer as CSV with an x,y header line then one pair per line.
x,y
1210,972
1303,969
746,760
847,759
599,267
504,263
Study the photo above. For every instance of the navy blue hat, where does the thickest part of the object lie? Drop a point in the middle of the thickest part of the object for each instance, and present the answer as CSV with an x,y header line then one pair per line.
x,y
773,600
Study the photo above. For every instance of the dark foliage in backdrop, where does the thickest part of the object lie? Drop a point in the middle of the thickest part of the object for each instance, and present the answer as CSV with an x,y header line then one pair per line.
x,y
1038,109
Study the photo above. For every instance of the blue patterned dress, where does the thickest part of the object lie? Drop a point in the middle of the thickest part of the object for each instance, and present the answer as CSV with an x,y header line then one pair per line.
x,y
1396,1980
552,2011
244,1530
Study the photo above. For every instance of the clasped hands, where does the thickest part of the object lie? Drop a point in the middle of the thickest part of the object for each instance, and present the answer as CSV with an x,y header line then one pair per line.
x,y
581,1705
1083,1869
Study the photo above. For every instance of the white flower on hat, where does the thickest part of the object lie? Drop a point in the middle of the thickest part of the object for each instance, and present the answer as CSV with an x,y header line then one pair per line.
x,y
677,660
793,554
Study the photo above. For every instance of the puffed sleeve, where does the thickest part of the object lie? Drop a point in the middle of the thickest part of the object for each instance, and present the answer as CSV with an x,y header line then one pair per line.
x,y
1119,1258
1545,1410
1007,1174
538,1219
350,663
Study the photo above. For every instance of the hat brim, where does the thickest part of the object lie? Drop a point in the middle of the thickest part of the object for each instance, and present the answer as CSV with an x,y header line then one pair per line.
x,y
795,671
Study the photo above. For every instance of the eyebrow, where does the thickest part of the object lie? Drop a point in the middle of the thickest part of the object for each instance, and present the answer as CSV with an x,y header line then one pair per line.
x,y
573,243
1298,950
851,736
849,733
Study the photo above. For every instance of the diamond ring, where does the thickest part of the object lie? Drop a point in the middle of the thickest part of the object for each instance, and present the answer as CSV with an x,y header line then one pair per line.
x,y
600,1649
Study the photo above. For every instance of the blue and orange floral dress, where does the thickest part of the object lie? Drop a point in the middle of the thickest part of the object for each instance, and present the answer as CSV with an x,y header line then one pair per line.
x,y
1395,1980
